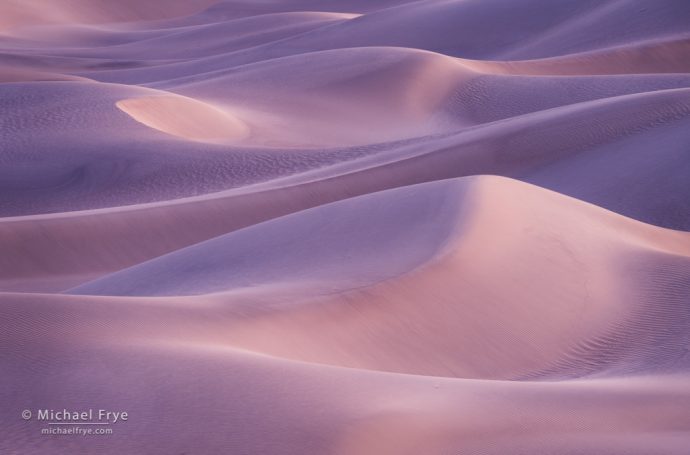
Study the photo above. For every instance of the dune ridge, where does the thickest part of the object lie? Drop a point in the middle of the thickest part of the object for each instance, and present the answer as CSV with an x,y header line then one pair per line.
x,y
588,277
185,117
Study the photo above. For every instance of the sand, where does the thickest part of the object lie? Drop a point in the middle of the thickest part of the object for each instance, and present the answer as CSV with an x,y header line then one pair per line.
x,y
348,227
185,117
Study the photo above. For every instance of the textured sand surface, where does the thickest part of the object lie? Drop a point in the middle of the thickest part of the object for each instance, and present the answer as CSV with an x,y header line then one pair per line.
x,y
347,227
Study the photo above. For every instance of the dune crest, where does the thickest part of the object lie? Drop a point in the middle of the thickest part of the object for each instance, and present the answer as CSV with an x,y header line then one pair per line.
x,y
186,118
442,305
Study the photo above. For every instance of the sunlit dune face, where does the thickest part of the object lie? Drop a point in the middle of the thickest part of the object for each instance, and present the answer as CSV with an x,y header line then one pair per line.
x,y
185,118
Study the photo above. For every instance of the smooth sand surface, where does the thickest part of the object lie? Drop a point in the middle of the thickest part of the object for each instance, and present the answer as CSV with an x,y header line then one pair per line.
x,y
347,227
185,117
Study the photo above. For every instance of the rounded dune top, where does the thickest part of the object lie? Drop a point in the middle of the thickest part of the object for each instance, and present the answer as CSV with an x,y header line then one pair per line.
x,y
185,118
342,97
405,280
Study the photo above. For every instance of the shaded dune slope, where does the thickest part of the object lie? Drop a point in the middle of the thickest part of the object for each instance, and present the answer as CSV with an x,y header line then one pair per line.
x,y
370,303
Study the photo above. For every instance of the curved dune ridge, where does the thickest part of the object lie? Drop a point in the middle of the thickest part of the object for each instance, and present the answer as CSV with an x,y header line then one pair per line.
x,y
185,117
347,227
363,96
359,294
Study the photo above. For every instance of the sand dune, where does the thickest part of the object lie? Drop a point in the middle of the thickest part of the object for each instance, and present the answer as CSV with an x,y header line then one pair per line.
x,y
346,227
425,216
467,22
645,57
185,117
185,41
605,136
9,74
327,409
364,96
443,309
18,13
608,333
416,94
611,23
